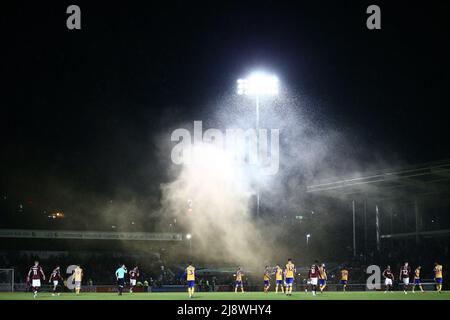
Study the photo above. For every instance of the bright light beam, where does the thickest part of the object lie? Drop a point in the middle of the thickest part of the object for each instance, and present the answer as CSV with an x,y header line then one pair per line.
x,y
258,84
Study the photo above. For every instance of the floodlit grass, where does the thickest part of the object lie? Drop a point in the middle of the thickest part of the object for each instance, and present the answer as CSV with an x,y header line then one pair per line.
x,y
398,295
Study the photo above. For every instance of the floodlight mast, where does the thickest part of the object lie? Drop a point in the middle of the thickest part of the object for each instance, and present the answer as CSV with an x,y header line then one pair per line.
x,y
256,85
257,154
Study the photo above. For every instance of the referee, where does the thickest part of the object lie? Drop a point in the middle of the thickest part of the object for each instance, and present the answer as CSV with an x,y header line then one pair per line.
x,y
120,275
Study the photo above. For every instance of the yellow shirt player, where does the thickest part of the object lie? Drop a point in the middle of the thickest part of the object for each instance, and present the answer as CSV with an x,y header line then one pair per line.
x,y
289,276
78,277
189,273
278,278
344,278
239,275
322,277
266,279
417,281
438,276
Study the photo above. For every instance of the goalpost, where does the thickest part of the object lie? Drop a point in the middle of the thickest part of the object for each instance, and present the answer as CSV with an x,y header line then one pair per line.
x,y
6,280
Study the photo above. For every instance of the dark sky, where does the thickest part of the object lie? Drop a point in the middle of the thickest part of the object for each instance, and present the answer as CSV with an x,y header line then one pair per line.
x,y
83,107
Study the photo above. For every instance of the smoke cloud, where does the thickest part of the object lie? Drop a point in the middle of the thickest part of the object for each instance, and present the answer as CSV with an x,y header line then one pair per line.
x,y
221,194
218,192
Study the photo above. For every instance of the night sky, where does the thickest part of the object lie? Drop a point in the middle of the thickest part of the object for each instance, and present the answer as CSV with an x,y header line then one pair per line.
x,y
82,108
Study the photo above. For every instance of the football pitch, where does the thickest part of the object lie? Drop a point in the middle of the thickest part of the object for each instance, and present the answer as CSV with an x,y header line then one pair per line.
x,y
398,295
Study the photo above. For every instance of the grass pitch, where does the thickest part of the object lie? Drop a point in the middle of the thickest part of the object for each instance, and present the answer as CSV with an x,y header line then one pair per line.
x,y
398,295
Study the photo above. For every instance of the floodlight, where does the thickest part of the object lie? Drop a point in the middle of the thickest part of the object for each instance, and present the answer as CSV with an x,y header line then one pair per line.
x,y
258,84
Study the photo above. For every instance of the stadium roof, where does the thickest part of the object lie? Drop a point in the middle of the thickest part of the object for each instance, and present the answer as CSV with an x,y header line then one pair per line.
x,y
89,235
419,180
